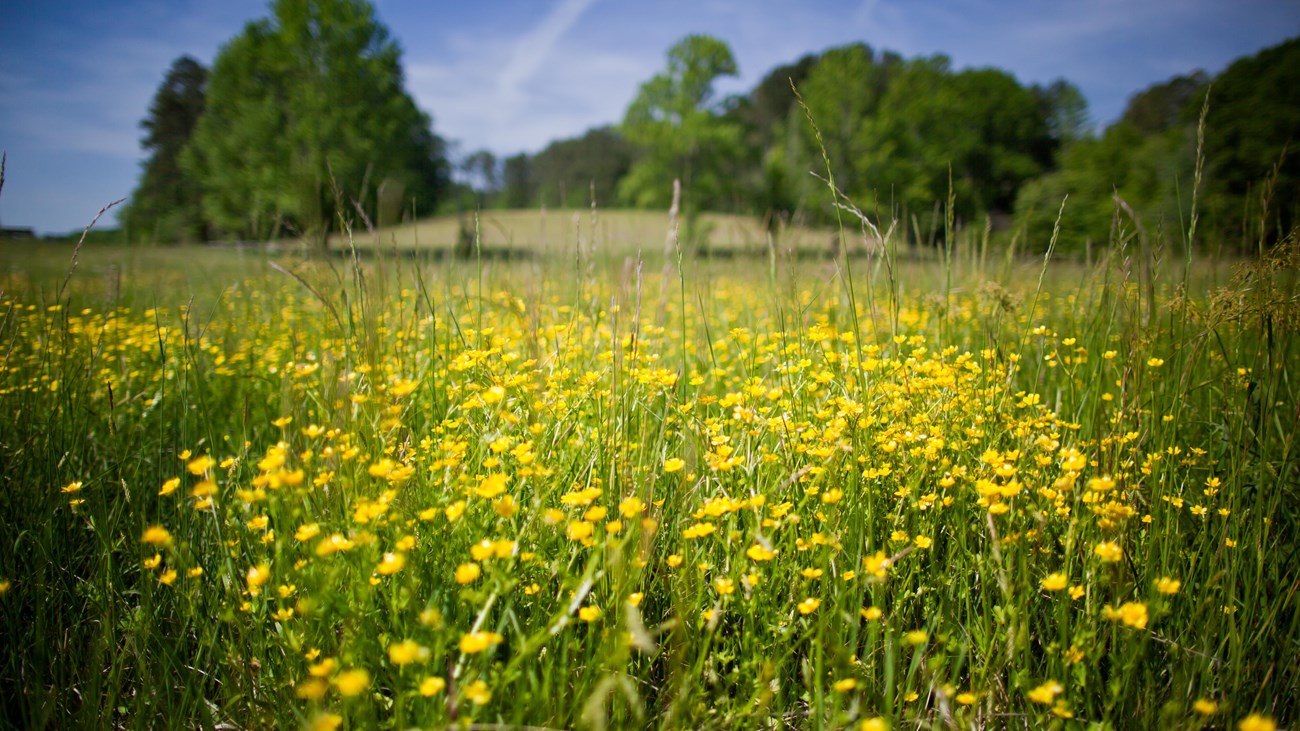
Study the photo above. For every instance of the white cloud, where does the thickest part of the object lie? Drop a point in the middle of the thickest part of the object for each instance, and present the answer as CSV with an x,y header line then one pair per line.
x,y
534,48
551,86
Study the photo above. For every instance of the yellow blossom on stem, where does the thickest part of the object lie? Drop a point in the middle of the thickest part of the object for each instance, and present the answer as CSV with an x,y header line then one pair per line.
x,y
325,721
1045,693
1108,551
491,486
1256,722
473,643
579,530
467,573
156,535
1054,582
1205,707
1132,614
407,652
478,693
699,530
256,577
306,532
200,465
631,507
877,564
352,682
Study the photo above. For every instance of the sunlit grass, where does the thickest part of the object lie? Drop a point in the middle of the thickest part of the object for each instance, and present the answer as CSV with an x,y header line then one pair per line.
x,y
414,494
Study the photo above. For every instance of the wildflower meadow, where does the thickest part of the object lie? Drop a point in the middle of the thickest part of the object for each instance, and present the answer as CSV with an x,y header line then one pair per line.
x,y
607,488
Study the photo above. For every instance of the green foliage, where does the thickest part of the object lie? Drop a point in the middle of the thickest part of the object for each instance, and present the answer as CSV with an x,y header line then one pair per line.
x,y
1147,161
679,130
844,93
568,172
167,206
891,130
307,100
772,188
982,123
1251,127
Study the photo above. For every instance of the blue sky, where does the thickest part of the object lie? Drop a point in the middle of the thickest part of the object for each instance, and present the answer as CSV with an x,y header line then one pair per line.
x,y
76,76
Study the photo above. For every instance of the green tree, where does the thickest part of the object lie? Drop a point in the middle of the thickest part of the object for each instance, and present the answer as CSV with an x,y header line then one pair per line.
x,y
979,128
1146,158
166,205
770,188
307,110
680,131
1065,109
843,93
1252,127
569,172
517,181
481,173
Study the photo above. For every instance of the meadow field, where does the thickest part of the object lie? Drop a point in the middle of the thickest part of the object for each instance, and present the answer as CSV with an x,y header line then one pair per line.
x,y
594,489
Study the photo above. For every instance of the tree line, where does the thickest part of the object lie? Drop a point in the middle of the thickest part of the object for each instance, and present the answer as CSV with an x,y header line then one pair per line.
x,y
304,121
303,118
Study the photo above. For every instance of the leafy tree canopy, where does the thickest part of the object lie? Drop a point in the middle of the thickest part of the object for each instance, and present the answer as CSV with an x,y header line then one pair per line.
x,y
166,206
679,129
304,103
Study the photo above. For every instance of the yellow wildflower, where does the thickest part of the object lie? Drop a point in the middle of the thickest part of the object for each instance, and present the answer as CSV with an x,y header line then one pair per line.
x,y
156,535
579,530
809,605
352,682
1108,551
473,643
478,693
1045,693
391,564
1256,722
468,573
1054,581
257,576
407,652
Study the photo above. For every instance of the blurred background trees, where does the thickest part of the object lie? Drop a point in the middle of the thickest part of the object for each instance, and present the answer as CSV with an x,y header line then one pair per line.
x,y
306,111
302,113
167,204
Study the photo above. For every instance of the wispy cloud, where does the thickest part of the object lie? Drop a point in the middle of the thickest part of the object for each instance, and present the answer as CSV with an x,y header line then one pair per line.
x,y
534,47
538,95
